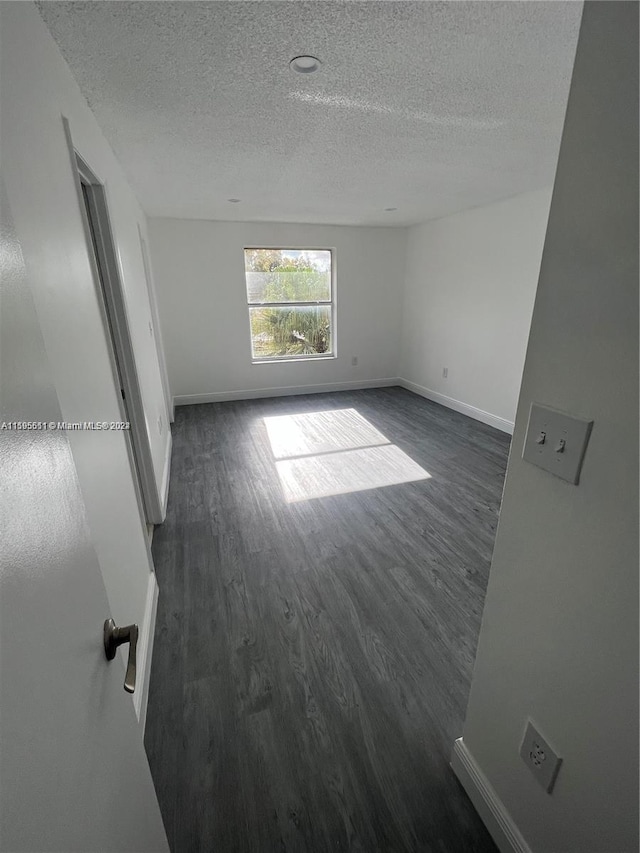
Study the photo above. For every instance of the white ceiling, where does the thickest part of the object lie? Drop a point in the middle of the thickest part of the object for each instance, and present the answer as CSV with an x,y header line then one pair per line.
x,y
429,107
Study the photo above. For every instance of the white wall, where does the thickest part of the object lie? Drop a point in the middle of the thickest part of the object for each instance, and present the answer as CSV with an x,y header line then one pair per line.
x,y
559,637
199,274
37,90
467,284
470,285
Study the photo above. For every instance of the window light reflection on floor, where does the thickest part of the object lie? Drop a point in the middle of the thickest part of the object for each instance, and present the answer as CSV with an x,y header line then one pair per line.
x,y
335,452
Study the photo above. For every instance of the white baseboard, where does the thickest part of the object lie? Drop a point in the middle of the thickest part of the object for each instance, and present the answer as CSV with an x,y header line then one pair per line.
x,y
472,411
489,806
282,391
164,489
287,390
145,652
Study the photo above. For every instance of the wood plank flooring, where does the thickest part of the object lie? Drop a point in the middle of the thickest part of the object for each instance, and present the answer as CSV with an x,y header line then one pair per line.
x,y
312,658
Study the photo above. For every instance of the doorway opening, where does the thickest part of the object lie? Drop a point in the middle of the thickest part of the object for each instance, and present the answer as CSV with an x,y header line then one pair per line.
x,y
104,260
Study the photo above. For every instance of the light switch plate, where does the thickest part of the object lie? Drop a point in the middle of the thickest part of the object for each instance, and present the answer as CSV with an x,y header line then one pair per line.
x,y
556,442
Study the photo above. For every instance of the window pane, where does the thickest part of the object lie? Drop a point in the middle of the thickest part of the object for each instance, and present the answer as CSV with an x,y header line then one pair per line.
x,y
277,332
288,275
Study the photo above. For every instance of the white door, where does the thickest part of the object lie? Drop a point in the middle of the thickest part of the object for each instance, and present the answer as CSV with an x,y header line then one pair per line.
x,y
73,772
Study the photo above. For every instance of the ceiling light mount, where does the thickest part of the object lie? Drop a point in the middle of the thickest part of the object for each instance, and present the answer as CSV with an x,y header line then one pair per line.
x,y
389,209
305,64
233,200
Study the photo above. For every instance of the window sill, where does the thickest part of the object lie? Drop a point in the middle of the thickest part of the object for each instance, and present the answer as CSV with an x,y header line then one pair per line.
x,y
307,359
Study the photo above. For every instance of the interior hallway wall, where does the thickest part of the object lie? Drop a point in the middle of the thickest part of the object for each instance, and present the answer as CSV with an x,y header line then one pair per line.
x,y
559,637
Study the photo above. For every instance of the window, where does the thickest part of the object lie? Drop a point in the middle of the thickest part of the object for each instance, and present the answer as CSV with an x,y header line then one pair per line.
x,y
290,299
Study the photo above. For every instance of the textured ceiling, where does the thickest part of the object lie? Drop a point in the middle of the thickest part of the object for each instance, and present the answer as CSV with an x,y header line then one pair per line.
x,y
428,107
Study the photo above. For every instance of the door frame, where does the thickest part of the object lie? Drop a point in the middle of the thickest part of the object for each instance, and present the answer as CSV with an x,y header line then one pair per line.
x,y
157,326
111,302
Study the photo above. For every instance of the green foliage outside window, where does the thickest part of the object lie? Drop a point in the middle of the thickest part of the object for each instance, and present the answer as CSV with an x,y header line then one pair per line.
x,y
296,330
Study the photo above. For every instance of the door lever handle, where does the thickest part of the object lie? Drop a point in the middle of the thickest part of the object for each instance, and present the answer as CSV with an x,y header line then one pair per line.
x,y
114,637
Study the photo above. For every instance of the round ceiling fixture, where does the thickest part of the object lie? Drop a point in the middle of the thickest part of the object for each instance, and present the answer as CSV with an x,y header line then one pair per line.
x,y
233,200
304,64
389,209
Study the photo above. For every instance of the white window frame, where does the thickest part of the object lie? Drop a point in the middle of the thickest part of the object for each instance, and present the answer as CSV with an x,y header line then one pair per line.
x,y
279,359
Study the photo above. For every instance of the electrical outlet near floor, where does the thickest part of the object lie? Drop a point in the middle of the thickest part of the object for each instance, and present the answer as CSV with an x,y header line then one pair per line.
x,y
541,759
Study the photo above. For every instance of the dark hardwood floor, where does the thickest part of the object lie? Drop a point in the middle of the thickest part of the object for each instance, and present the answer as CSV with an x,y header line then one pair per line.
x,y
312,659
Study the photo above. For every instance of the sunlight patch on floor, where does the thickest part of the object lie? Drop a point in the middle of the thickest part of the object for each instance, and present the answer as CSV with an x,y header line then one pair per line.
x,y
335,452
320,432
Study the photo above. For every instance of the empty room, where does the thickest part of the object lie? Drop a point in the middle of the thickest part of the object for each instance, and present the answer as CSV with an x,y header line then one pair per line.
x,y
319,426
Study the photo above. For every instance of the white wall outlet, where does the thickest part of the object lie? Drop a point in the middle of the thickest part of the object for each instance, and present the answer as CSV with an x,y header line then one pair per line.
x,y
541,758
445,372
556,442
354,361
